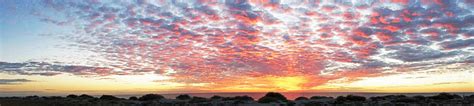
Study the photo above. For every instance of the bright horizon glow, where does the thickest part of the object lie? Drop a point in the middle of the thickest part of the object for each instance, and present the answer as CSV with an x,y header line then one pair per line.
x,y
53,47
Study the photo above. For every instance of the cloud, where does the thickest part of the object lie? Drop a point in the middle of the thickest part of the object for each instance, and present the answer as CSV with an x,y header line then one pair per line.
x,y
13,81
229,41
447,83
410,53
47,69
457,44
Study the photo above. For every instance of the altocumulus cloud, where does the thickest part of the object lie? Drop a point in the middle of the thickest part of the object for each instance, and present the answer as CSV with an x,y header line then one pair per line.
x,y
48,69
231,40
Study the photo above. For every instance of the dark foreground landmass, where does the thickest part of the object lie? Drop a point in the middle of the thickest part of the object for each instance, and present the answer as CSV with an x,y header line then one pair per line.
x,y
270,99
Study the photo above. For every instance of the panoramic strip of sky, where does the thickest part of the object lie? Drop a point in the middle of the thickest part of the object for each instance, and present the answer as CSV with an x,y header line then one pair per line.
x,y
136,46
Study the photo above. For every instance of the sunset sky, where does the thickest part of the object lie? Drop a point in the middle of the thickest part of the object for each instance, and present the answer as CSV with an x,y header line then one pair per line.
x,y
57,47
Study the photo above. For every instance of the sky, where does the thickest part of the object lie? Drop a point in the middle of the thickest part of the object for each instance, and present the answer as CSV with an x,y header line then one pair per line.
x,y
57,47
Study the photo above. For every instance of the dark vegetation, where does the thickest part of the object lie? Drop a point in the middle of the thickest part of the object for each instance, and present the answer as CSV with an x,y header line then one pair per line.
x,y
109,97
270,97
183,97
301,98
320,97
133,98
350,98
149,97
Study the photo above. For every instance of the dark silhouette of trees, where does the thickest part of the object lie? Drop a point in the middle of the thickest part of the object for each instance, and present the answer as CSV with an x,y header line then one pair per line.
x,y
350,98
470,97
406,100
149,97
244,98
34,97
196,99
52,97
216,97
72,96
377,98
133,98
183,97
340,99
388,97
290,103
272,97
355,98
320,97
276,95
301,98
266,99
238,98
445,96
85,96
419,98
400,96
108,97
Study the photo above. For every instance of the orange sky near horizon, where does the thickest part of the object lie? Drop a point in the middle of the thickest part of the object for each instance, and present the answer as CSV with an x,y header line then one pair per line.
x,y
460,81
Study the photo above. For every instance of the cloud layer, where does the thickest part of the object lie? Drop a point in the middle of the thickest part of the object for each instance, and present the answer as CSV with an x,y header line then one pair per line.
x,y
13,81
221,42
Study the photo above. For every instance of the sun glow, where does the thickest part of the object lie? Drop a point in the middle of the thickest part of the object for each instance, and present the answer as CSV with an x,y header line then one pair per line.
x,y
288,83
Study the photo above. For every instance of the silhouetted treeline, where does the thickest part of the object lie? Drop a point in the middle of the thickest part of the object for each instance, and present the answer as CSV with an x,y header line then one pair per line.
x,y
268,98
